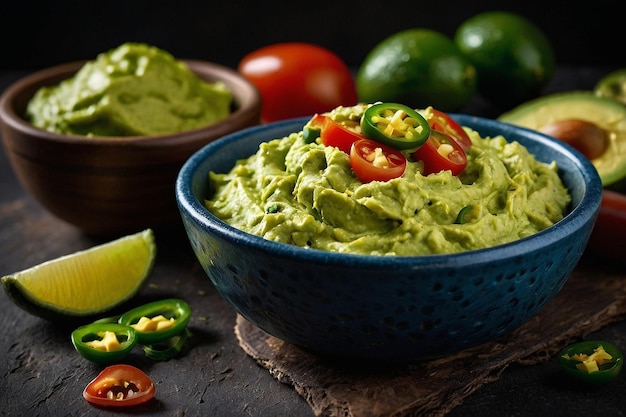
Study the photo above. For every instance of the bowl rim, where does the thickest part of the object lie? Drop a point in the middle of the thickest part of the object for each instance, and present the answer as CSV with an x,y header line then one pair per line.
x,y
248,107
586,211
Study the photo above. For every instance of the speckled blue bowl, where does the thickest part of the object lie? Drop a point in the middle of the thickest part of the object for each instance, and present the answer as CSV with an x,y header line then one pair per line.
x,y
396,308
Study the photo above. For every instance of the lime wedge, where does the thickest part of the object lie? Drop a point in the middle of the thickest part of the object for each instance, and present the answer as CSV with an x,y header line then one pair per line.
x,y
87,282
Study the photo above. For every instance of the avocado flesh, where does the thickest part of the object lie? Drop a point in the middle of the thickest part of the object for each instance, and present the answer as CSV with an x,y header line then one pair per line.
x,y
606,113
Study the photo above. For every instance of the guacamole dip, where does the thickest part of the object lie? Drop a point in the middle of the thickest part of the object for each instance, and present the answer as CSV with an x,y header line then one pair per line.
x,y
135,89
306,194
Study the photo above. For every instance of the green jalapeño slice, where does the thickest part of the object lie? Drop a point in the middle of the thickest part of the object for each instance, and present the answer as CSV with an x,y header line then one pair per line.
x,y
594,362
395,125
158,321
104,342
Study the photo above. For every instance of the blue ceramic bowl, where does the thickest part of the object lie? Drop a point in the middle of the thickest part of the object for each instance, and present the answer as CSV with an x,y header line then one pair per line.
x,y
396,308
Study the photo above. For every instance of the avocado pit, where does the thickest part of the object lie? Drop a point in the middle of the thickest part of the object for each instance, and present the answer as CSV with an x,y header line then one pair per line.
x,y
588,138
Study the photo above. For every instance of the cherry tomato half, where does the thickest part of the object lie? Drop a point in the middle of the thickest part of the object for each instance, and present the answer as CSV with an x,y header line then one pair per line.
x,y
373,161
444,123
440,153
340,134
298,79
120,386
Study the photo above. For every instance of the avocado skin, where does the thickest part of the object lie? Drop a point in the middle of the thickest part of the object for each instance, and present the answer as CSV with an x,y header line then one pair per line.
x,y
609,114
513,57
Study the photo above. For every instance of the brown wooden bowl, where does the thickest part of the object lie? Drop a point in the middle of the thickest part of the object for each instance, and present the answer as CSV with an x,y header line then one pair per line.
x,y
111,185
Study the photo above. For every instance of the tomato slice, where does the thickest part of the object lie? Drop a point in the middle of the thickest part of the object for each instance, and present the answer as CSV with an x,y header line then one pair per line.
x,y
340,134
443,122
120,386
373,161
440,153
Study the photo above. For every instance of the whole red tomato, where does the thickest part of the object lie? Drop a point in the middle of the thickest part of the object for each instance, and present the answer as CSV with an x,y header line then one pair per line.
x,y
298,79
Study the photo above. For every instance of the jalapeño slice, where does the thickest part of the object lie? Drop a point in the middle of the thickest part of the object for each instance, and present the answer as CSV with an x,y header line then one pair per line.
x,y
395,125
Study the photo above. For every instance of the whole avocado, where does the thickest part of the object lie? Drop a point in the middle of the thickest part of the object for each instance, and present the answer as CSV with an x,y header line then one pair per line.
x,y
513,58
418,67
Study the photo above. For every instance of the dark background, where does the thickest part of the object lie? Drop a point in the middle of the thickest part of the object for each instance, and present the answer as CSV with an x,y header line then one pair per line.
x,y
39,34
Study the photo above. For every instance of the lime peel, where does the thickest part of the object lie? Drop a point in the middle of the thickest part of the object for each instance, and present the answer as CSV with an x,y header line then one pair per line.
x,y
86,282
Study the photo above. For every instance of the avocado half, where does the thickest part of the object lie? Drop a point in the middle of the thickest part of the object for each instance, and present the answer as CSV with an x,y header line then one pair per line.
x,y
605,113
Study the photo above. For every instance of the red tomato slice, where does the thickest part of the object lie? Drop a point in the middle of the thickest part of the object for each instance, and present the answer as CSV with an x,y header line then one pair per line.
x,y
441,153
444,123
339,135
298,79
373,161
120,386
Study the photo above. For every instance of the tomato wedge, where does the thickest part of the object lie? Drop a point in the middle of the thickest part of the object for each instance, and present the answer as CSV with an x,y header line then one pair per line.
x,y
443,122
340,134
373,161
120,386
440,153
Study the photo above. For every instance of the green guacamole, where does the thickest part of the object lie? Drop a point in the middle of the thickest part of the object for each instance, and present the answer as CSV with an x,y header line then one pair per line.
x,y
306,194
135,89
